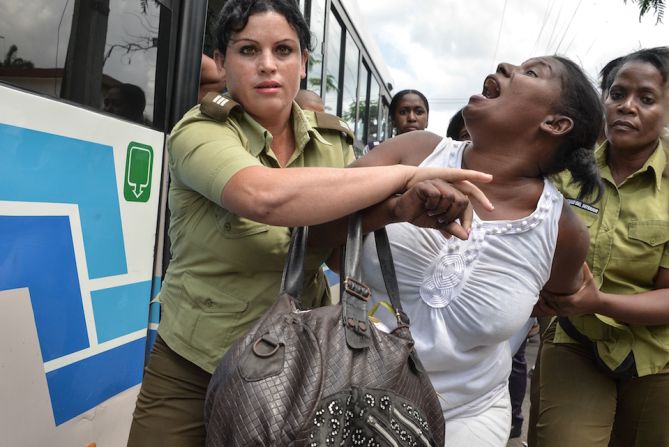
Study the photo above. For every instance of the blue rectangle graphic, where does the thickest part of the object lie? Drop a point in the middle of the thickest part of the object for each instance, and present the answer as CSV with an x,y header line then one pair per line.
x,y
43,167
83,385
37,252
121,310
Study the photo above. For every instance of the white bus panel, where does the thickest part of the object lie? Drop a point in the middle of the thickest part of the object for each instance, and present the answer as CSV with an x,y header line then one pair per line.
x,y
79,194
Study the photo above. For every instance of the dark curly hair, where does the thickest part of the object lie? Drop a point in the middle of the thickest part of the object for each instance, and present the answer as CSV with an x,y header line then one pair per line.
x,y
580,102
235,15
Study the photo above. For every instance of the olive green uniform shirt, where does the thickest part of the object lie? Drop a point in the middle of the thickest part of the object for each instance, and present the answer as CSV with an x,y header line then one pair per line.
x,y
226,270
629,234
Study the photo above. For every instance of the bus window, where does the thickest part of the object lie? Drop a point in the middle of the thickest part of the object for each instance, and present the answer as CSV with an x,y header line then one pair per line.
x,y
331,91
317,25
373,117
350,88
101,55
383,128
360,126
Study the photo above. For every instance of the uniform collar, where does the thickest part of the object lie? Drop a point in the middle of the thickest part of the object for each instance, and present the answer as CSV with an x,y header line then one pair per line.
x,y
304,128
658,162
260,139
655,164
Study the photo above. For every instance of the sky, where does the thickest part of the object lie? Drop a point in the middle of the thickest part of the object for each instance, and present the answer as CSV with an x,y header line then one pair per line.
x,y
445,48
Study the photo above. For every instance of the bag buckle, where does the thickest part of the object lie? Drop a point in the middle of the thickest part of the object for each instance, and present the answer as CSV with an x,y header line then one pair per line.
x,y
357,289
402,318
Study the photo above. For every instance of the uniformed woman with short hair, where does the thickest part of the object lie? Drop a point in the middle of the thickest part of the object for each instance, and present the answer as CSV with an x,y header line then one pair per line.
x,y
604,370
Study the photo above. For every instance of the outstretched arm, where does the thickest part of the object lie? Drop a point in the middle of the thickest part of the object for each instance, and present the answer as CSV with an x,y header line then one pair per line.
x,y
645,308
309,196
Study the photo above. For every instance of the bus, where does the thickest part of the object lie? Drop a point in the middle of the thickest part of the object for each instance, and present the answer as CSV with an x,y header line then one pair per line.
x,y
89,91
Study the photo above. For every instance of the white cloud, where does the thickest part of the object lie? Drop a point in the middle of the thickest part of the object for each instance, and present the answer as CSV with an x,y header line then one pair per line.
x,y
445,48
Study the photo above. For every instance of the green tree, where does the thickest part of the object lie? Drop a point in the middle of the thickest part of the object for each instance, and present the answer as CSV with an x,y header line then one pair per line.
x,y
646,5
11,60
315,81
144,5
357,121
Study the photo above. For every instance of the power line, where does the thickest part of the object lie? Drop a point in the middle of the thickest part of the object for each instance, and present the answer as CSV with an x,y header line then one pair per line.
x,y
549,9
568,25
499,36
447,100
550,39
594,40
573,39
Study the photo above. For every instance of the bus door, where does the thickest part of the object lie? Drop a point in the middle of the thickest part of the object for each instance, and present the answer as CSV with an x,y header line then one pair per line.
x,y
87,93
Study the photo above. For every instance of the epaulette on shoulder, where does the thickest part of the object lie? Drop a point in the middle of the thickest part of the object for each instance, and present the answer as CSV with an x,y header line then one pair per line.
x,y
332,122
218,107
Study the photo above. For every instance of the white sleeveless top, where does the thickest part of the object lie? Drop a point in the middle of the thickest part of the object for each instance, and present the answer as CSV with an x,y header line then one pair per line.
x,y
465,299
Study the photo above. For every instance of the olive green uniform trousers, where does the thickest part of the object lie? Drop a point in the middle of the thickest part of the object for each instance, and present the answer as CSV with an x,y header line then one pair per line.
x,y
576,404
170,405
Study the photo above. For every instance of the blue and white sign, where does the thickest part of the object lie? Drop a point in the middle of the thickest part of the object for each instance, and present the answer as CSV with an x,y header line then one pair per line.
x,y
76,270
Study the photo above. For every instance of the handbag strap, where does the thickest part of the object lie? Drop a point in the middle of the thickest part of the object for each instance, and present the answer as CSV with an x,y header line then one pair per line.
x,y
292,280
389,277
354,293
390,280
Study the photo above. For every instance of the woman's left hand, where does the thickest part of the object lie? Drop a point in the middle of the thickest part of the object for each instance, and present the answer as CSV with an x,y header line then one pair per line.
x,y
586,300
541,309
436,204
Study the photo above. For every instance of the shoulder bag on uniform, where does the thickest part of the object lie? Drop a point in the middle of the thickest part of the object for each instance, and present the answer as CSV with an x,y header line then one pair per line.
x,y
326,376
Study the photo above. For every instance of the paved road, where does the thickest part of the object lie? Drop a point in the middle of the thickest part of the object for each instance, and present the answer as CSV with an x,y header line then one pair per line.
x,y
531,356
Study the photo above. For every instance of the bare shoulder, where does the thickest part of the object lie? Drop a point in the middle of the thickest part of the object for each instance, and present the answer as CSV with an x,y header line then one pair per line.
x,y
410,148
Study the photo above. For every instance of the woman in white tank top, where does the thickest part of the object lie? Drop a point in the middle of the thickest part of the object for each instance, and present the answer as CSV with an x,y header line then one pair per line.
x,y
467,295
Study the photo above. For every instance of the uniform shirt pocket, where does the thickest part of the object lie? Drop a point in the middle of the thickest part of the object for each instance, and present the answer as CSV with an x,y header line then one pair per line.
x,y
213,318
646,240
653,233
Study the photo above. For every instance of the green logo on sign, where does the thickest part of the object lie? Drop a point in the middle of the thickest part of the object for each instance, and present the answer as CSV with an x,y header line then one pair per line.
x,y
138,167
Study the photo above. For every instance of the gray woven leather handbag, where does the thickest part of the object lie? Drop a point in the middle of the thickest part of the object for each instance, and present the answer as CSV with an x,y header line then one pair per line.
x,y
326,376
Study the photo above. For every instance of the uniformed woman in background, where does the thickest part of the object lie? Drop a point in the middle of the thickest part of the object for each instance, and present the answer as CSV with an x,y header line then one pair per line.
x,y
233,193
604,371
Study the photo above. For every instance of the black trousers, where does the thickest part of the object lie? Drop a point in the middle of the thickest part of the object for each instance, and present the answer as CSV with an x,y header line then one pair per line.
x,y
518,386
